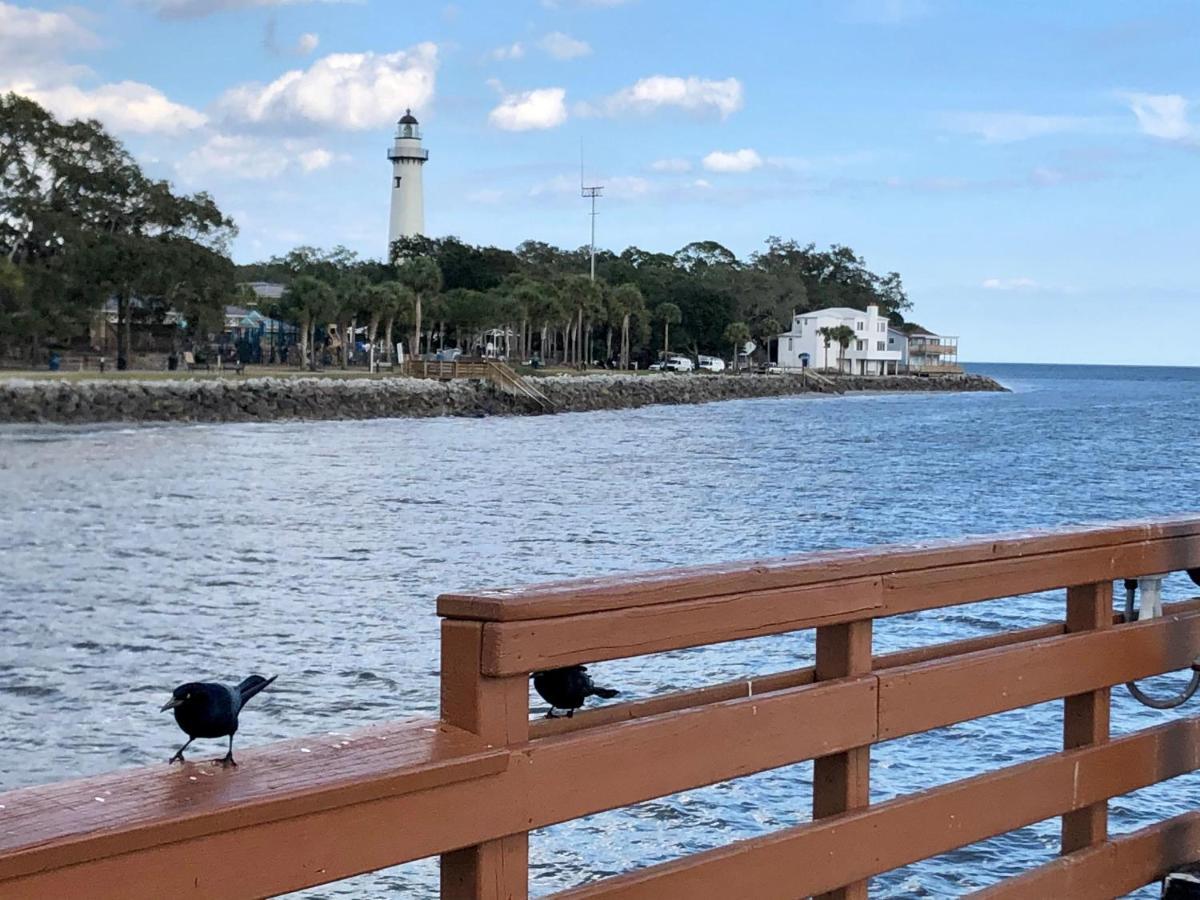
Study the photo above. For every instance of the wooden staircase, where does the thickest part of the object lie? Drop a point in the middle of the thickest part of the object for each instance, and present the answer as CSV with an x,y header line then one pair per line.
x,y
499,374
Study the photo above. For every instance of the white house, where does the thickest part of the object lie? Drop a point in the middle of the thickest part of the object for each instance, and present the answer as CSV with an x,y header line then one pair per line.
x,y
868,354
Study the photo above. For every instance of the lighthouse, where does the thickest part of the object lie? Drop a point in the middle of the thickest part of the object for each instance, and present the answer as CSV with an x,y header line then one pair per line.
x,y
408,195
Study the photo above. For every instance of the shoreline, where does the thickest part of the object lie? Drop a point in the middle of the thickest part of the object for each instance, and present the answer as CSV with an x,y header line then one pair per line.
x,y
31,402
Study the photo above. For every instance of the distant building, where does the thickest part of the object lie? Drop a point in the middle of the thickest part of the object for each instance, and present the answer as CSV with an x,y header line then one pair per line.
x,y
266,291
868,354
932,353
898,340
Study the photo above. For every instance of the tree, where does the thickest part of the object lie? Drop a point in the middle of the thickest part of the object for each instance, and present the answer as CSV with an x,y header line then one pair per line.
x,y
307,301
424,279
764,331
826,333
84,224
351,300
843,334
737,334
625,302
668,314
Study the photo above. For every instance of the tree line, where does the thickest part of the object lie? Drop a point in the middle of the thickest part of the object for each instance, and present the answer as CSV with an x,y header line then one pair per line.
x,y
82,226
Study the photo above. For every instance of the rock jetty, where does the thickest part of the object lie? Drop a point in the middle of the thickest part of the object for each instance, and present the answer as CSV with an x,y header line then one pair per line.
x,y
270,399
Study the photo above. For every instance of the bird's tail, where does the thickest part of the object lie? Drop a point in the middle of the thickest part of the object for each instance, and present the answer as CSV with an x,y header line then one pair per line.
x,y
606,693
252,685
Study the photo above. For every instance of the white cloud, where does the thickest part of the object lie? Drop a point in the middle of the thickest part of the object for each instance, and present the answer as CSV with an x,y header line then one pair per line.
x,y
674,164
124,106
252,158
1009,284
1008,127
702,183
354,91
528,110
507,52
195,9
1161,115
312,160
744,160
26,32
697,95
307,43
626,187
563,46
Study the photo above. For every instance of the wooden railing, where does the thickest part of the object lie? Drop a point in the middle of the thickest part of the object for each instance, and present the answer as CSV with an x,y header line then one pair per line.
x,y
472,784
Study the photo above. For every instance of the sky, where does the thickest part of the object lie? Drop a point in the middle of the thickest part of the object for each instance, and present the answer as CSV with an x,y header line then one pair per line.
x,y
1030,169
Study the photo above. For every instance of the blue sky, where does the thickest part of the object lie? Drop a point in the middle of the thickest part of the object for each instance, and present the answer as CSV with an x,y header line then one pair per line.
x,y
1029,168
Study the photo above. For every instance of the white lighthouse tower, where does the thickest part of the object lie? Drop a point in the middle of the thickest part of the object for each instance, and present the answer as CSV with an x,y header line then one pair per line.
x,y
408,195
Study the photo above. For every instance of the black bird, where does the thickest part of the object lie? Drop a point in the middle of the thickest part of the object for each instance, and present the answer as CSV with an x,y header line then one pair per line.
x,y
567,688
208,710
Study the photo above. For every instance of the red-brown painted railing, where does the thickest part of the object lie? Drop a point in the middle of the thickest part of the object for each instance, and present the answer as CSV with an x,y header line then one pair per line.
x,y
472,784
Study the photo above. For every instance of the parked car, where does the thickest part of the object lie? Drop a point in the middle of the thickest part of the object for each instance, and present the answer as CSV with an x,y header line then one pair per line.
x,y
672,364
710,364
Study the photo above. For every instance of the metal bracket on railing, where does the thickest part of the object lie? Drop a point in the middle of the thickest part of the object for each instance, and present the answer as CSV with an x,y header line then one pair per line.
x,y
1150,587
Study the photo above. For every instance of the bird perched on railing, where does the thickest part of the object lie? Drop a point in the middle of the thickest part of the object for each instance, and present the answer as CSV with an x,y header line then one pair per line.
x,y
567,688
209,710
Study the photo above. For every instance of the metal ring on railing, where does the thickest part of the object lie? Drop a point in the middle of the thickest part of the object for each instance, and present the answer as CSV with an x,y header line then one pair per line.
x,y
1155,609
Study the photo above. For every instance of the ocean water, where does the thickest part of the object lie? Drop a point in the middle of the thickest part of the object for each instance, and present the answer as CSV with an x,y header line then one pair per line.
x,y
135,558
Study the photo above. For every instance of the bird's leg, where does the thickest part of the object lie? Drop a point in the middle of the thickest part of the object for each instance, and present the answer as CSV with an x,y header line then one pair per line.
x,y
179,753
228,760
550,714
570,713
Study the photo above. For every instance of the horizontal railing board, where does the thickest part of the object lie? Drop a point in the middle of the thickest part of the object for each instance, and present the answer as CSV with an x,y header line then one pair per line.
x,y
513,648
824,855
765,684
57,824
590,595
544,782
732,690
1112,869
969,686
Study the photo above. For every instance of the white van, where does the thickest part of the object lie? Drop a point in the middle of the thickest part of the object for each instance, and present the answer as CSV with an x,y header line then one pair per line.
x,y
673,364
711,364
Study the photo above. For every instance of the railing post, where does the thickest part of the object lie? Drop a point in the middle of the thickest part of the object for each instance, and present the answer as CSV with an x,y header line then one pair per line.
x,y
1085,716
497,709
842,781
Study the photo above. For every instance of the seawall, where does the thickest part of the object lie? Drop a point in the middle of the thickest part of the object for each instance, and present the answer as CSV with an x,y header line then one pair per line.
x,y
269,399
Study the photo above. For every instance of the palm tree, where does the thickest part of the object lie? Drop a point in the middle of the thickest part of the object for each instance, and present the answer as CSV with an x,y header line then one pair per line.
x,y
423,275
351,294
766,330
826,333
843,334
401,301
306,302
737,333
669,314
584,300
626,301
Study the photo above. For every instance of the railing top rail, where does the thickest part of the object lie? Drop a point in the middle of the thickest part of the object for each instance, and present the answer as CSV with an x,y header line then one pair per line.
x,y
58,824
592,595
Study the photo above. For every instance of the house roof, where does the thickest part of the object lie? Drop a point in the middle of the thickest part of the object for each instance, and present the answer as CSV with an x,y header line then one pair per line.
x,y
920,332
840,312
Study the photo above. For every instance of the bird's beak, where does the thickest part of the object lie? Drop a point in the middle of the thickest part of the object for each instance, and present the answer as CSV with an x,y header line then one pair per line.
x,y
170,704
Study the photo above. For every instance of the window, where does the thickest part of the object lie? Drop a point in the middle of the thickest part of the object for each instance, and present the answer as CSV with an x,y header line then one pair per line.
x,y
860,345
858,326
397,181
789,343
882,326
879,345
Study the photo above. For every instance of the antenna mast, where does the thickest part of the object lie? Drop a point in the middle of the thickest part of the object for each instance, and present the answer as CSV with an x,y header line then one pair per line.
x,y
590,192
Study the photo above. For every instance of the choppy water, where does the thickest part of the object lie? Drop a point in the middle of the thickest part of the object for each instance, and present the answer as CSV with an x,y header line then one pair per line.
x,y
136,558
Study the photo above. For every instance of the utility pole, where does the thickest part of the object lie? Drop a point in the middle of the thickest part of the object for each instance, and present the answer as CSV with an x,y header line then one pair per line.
x,y
590,192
